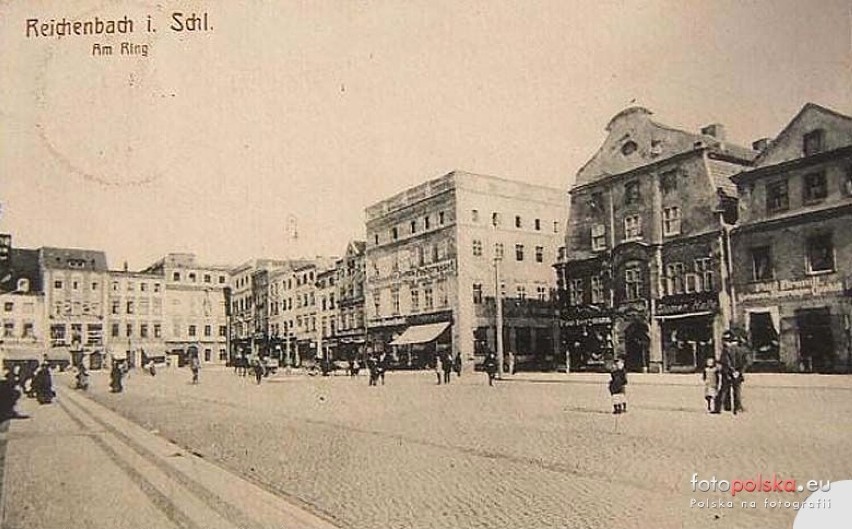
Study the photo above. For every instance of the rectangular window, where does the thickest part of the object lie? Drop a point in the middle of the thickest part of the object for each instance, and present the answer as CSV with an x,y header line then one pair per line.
x,y
597,290
815,187
441,218
192,330
115,330
394,233
575,292
94,285
129,330
415,300
156,287
704,273
474,215
632,227
539,254
57,285
223,330
8,306
130,307
176,276
521,292
761,263
208,330
477,247
8,329
428,300
598,237
395,301
537,224
477,293
130,286
674,278
192,276
29,330
519,252
498,250
555,226
631,193
518,223
812,142
633,282
668,182
115,286
377,304
495,218
777,197
820,254
671,221
158,330
541,293
427,222
143,330
413,225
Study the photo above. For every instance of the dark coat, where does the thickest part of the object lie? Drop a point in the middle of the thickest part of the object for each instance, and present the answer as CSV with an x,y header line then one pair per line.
x,y
618,379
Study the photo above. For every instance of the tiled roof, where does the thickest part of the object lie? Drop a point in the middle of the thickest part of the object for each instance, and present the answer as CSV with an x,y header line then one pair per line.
x,y
73,259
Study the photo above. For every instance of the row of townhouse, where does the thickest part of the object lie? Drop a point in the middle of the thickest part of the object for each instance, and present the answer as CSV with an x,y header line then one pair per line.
x,y
66,303
675,237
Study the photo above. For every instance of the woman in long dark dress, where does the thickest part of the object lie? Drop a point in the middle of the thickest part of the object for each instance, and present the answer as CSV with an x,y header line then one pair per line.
x,y
43,384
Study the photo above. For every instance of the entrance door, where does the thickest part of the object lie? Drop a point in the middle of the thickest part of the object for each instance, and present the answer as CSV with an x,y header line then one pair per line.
x,y
816,343
636,343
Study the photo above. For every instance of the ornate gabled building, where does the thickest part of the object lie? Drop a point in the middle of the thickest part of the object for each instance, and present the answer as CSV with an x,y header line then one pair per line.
x,y
793,246
351,329
644,273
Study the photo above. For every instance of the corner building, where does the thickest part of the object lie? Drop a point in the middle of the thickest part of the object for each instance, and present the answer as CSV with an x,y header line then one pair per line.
x,y
434,256
645,273
793,246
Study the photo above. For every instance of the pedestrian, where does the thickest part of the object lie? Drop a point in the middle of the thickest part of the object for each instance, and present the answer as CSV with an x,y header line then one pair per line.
x,y
372,367
195,367
457,364
43,385
711,383
115,375
9,395
447,364
732,363
617,387
152,369
382,365
511,362
82,378
258,369
439,370
490,366
739,355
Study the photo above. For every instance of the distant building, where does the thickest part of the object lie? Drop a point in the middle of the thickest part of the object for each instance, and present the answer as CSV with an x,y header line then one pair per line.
x,y
21,303
645,272
326,285
250,312
74,283
433,253
792,248
136,315
351,332
195,310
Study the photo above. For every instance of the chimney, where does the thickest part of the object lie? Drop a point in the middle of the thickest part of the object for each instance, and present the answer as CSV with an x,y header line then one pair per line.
x,y
761,144
716,130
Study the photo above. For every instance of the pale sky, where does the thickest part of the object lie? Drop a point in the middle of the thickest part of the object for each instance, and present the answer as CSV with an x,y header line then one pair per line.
x,y
320,108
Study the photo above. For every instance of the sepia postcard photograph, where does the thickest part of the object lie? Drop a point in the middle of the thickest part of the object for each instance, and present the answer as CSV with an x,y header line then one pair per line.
x,y
425,264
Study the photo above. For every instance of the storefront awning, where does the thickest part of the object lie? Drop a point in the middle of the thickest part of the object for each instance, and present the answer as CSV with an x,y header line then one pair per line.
x,y
420,333
35,352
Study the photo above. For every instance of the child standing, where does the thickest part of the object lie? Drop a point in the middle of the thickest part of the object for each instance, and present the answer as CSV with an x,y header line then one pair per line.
x,y
617,389
711,383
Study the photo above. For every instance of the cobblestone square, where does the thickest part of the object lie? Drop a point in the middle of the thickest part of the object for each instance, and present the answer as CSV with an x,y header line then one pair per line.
x,y
533,451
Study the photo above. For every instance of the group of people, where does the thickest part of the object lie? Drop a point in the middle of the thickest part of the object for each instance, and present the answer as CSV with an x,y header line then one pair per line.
x,y
18,381
723,381
377,366
445,364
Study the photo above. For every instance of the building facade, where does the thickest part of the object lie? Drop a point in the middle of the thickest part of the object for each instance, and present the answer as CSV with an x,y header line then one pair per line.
x,y
195,307
351,332
793,246
74,283
135,305
22,310
645,271
433,258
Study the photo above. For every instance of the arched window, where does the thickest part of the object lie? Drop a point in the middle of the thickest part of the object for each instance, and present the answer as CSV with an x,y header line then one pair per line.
x,y
23,285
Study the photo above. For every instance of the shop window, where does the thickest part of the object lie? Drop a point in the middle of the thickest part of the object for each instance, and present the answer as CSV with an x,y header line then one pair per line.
x,y
761,263
820,254
764,336
815,188
777,197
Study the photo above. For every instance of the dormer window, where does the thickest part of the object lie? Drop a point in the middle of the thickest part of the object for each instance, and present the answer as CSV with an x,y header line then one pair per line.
x,y
23,285
813,142
628,147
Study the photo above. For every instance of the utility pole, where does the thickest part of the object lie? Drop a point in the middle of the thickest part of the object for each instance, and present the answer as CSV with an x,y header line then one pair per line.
x,y
498,300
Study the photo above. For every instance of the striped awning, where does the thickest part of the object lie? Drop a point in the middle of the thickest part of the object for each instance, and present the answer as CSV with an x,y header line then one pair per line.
x,y
420,333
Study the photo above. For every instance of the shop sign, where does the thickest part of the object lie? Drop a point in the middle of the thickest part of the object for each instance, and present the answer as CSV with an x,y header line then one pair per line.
x,y
686,304
585,316
815,286
432,271
586,322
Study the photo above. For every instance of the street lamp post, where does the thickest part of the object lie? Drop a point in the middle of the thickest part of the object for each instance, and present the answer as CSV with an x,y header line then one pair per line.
x,y
498,299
